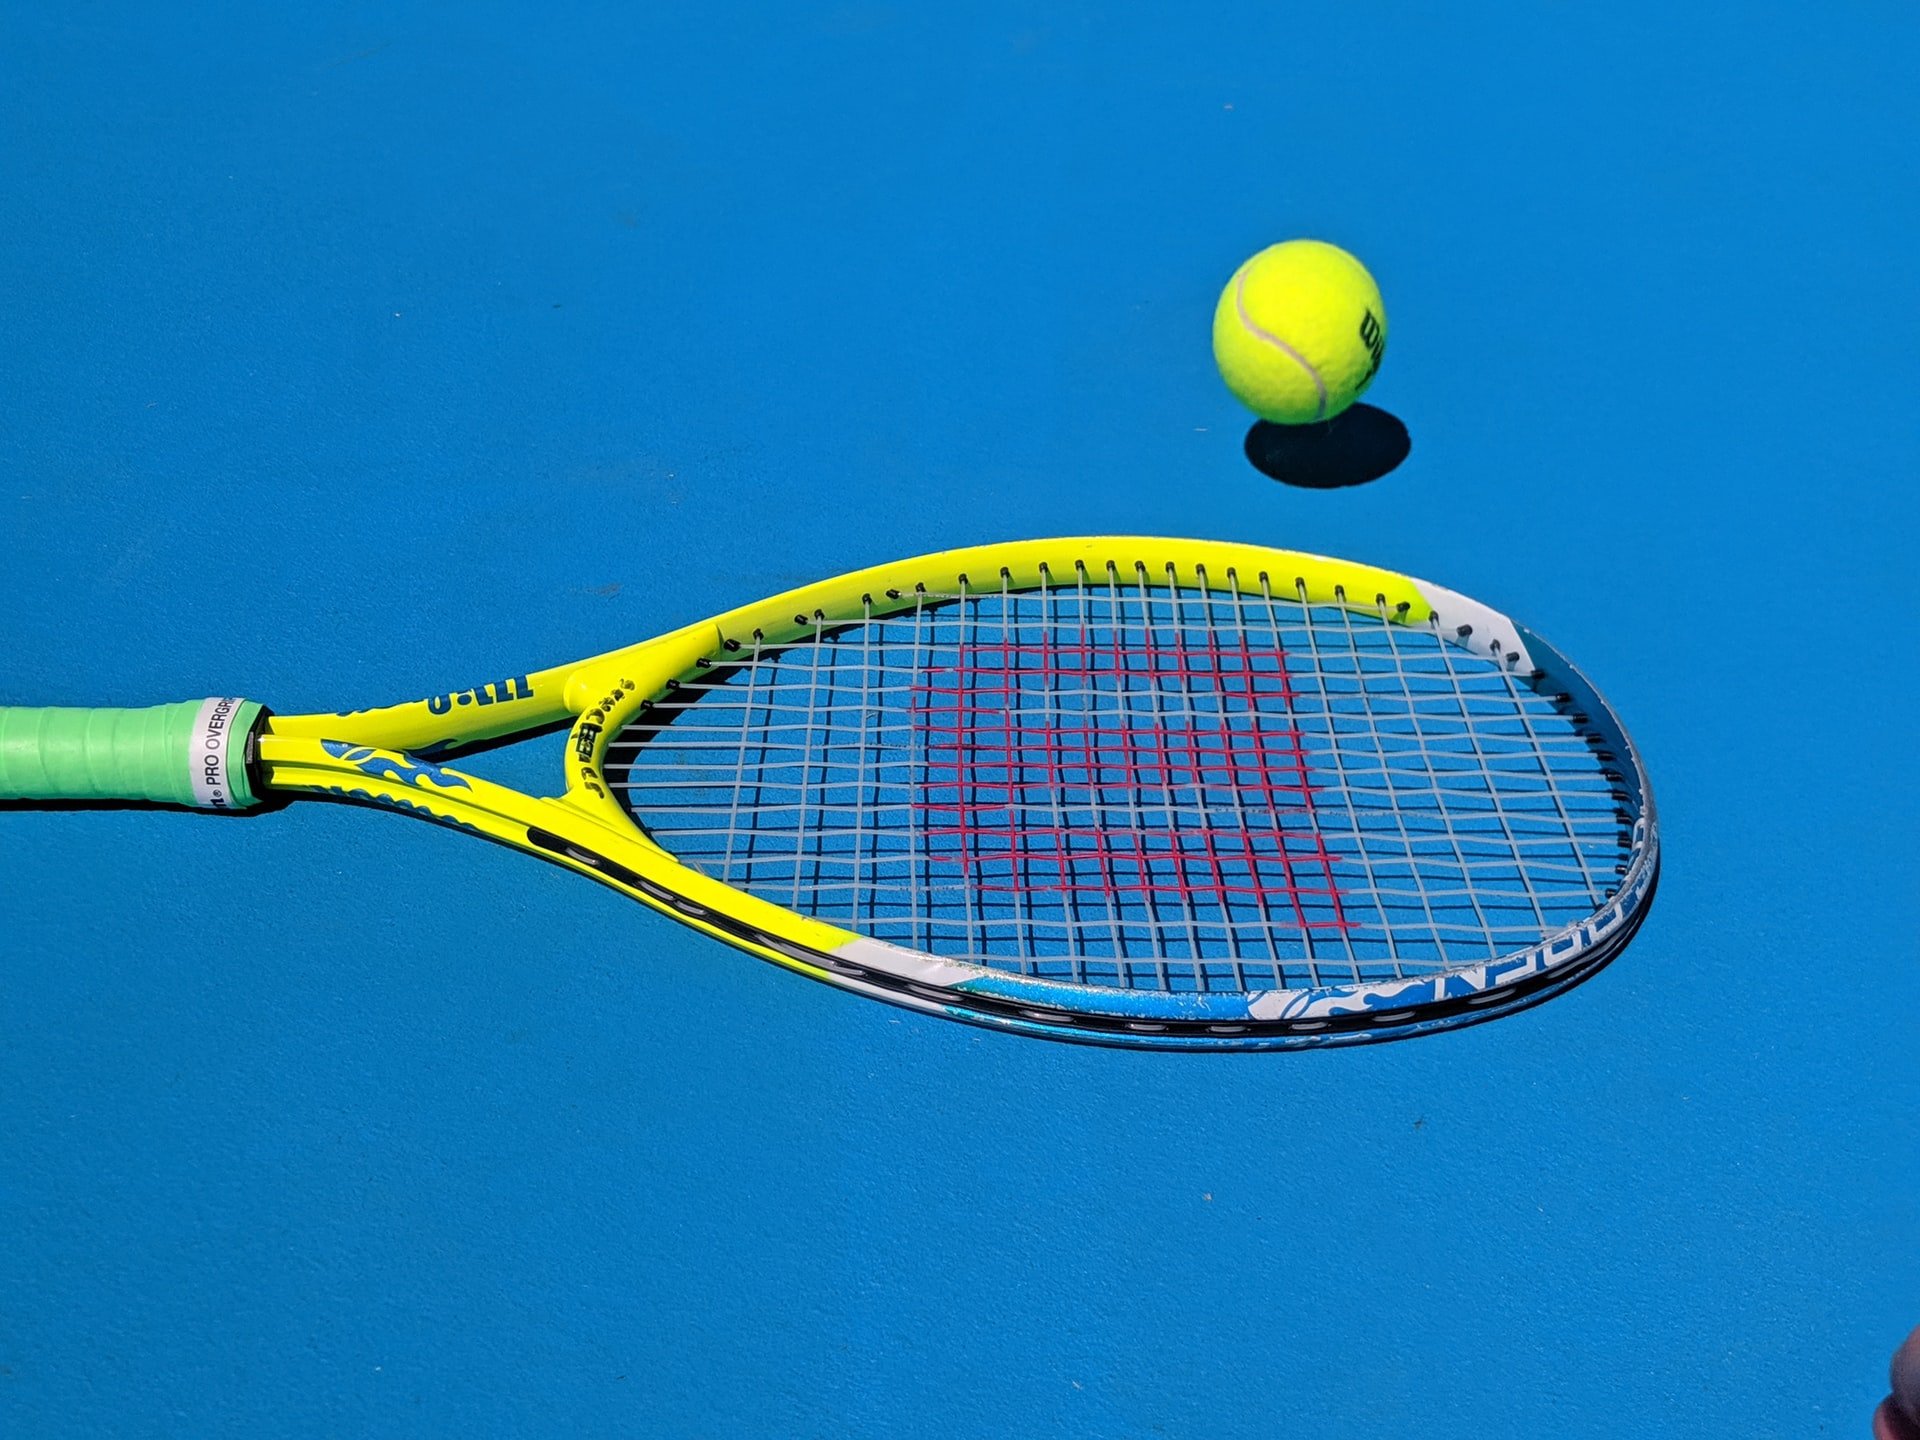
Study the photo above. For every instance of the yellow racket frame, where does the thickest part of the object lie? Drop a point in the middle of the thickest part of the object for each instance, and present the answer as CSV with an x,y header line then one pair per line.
x,y
384,756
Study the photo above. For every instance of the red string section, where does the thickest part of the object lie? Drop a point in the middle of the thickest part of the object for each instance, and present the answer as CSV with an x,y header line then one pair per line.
x,y
1142,771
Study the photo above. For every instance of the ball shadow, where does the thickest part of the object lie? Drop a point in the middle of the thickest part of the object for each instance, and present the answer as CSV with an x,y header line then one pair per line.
x,y
1358,445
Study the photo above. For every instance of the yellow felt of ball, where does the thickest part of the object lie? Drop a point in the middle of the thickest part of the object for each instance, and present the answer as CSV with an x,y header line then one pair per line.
x,y
1299,332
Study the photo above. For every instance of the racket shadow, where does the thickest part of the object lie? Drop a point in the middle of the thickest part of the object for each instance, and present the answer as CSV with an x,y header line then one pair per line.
x,y
264,803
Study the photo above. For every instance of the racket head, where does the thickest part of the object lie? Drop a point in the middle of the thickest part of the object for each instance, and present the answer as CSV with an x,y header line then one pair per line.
x,y
1132,791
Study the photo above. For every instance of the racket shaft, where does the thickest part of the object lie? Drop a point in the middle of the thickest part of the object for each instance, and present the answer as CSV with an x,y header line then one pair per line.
x,y
190,753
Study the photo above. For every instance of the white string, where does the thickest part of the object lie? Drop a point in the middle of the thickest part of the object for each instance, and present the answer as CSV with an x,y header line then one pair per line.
x,y
1463,814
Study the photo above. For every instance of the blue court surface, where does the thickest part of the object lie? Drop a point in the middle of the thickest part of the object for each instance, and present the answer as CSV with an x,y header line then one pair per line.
x,y
353,353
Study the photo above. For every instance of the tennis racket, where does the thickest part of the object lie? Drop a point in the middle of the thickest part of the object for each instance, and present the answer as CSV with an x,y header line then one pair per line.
x,y
1140,792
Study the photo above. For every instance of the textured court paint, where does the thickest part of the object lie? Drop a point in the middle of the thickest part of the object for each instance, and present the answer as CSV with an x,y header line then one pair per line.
x,y
357,1162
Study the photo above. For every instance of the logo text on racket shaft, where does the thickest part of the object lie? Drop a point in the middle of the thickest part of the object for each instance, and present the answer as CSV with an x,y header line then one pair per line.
x,y
586,735
491,693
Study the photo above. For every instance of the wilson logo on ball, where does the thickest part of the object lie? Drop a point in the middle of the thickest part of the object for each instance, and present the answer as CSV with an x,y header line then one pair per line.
x,y
1374,340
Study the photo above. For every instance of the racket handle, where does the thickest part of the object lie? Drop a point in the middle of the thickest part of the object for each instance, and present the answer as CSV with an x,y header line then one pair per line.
x,y
197,753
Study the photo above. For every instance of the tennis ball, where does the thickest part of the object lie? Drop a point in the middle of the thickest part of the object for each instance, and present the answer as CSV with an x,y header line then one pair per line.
x,y
1299,332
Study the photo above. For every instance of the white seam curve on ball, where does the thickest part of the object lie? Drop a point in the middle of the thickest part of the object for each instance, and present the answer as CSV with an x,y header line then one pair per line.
x,y
1253,329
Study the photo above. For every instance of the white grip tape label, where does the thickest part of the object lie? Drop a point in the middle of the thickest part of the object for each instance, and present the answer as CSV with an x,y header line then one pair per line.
x,y
210,753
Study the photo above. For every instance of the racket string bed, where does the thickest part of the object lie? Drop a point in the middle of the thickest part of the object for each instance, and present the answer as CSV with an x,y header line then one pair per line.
x,y
1117,781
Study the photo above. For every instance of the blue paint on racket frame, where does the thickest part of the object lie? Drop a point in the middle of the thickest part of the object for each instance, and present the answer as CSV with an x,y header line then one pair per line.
x,y
390,765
